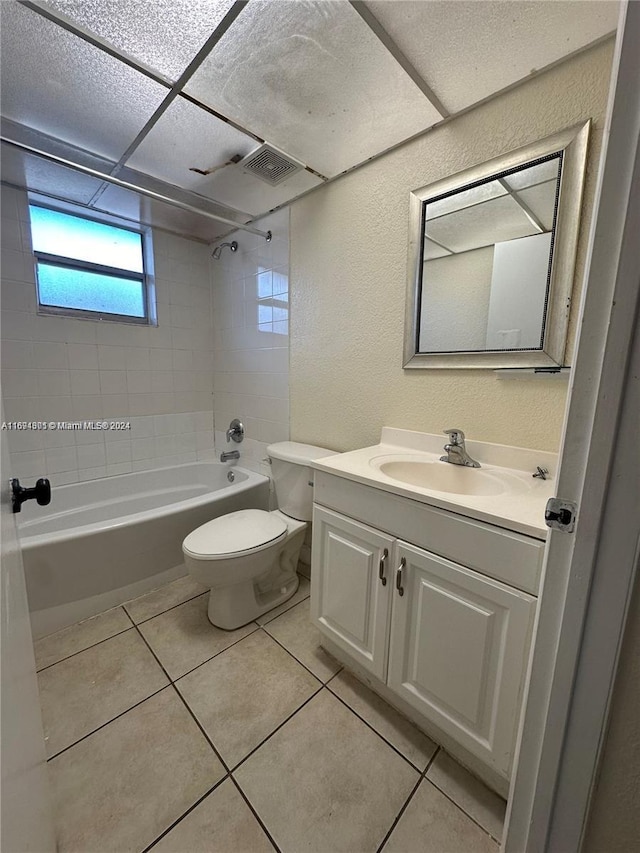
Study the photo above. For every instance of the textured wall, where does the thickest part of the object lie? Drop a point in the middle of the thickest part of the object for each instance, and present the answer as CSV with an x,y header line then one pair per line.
x,y
348,278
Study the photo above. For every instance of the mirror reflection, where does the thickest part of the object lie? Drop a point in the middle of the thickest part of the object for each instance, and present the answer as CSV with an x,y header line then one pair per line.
x,y
486,262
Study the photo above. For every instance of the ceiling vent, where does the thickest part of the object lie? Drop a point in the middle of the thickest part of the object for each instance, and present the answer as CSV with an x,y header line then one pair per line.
x,y
270,165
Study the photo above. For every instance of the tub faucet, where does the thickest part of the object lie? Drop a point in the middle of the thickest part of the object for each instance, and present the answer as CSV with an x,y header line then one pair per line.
x,y
226,455
235,431
456,450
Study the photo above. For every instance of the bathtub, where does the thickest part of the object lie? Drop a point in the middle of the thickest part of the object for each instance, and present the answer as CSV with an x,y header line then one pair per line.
x,y
103,542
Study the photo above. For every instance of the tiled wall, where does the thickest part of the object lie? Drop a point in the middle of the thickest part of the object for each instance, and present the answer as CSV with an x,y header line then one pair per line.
x,y
62,369
251,340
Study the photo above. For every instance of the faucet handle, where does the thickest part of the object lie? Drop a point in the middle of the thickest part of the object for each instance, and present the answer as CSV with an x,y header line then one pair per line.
x,y
456,436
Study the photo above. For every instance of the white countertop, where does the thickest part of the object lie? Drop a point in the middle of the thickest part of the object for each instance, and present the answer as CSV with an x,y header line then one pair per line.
x,y
518,499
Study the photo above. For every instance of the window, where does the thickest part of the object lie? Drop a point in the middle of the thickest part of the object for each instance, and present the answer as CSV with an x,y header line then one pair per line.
x,y
87,268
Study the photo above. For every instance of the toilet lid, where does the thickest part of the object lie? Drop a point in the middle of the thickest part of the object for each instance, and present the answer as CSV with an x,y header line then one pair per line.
x,y
235,533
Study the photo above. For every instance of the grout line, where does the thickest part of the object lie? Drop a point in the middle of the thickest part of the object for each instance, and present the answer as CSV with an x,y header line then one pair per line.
x,y
162,612
255,813
291,654
286,610
381,736
435,785
458,806
79,652
222,651
277,728
182,699
431,760
108,722
399,815
188,811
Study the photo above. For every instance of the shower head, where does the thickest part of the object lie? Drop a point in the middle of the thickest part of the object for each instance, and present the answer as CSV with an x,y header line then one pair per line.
x,y
218,250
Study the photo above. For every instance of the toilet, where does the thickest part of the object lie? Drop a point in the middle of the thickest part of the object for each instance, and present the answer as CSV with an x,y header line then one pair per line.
x,y
248,558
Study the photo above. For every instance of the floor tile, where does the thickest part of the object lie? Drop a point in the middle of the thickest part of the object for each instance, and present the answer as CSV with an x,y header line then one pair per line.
x,y
407,738
433,824
183,637
243,694
296,633
473,797
67,642
326,782
222,823
163,598
119,789
301,593
87,690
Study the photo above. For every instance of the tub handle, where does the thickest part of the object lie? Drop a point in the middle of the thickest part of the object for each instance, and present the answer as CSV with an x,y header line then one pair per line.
x,y
41,492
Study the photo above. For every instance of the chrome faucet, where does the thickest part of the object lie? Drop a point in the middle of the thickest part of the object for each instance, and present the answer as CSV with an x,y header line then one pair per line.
x,y
226,455
235,431
456,451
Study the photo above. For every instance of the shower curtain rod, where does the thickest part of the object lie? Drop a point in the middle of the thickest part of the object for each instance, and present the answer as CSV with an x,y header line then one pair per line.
x,y
94,173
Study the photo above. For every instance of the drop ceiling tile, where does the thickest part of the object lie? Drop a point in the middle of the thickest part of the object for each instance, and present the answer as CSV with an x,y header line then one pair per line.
x,y
38,175
534,174
312,79
541,200
465,198
433,251
162,34
187,137
61,85
467,50
482,225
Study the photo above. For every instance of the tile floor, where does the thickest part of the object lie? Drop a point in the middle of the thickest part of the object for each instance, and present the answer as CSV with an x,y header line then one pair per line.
x,y
167,734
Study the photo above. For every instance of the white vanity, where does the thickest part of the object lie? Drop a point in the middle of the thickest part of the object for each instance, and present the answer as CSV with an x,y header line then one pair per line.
x,y
424,582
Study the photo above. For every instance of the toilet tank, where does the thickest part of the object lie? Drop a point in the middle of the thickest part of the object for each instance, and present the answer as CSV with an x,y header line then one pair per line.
x,y
292,476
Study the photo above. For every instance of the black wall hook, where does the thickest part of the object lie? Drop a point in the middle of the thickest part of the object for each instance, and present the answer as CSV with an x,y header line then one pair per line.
x,y
41,492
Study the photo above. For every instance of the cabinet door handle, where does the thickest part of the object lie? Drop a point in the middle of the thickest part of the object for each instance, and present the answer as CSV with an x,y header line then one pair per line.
x,y
399,586
383,560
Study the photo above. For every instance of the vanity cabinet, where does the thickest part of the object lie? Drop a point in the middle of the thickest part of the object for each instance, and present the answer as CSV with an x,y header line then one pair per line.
x,y
449,641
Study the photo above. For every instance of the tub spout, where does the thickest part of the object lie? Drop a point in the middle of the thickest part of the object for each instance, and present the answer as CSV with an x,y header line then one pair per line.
x,y
226,455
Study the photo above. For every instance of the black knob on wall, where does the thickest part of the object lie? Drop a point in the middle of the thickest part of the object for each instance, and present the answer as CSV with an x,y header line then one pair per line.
x,y
41,492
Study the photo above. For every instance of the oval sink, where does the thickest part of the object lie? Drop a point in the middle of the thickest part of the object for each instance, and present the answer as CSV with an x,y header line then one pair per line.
x,y
443,477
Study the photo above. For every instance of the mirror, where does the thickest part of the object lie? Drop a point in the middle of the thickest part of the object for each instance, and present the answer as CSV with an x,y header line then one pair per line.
x,y
491,259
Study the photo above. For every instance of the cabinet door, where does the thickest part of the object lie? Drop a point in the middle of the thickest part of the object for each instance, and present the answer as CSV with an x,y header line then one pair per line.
x,y
349,601
459,645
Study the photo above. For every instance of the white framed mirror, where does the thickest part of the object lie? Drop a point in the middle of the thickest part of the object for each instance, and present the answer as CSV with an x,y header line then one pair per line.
x,y
492,257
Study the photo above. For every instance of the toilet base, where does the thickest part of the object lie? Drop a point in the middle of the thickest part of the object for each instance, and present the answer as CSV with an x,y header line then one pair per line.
x,y
232,607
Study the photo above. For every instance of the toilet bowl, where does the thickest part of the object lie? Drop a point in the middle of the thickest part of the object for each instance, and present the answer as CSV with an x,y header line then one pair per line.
x,y
248,559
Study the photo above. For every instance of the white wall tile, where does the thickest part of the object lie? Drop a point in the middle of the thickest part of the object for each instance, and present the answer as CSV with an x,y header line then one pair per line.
x,y
84,382
50,355
111,357
60,459
54,383
66,369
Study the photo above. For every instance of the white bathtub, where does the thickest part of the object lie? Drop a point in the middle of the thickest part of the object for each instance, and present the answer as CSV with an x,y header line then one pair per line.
x,y
102,542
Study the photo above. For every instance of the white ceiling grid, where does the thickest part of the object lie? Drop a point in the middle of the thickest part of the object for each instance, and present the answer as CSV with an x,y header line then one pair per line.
x,y
311,78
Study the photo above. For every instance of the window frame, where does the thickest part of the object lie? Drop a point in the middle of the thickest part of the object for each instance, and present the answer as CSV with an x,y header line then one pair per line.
x,y
145,277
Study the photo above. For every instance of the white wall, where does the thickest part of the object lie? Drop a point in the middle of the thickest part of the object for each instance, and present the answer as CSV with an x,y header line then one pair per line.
x,y
518,292
349,271
251,334
455,301
64,369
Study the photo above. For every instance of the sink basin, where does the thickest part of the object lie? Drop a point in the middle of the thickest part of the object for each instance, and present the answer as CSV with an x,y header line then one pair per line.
x,y
441,476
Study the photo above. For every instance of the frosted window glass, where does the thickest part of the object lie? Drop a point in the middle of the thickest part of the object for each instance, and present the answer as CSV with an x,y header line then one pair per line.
x,y
70,236
64,287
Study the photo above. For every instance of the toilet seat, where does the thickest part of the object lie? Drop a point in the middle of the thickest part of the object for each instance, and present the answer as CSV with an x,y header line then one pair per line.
x,y
235,534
